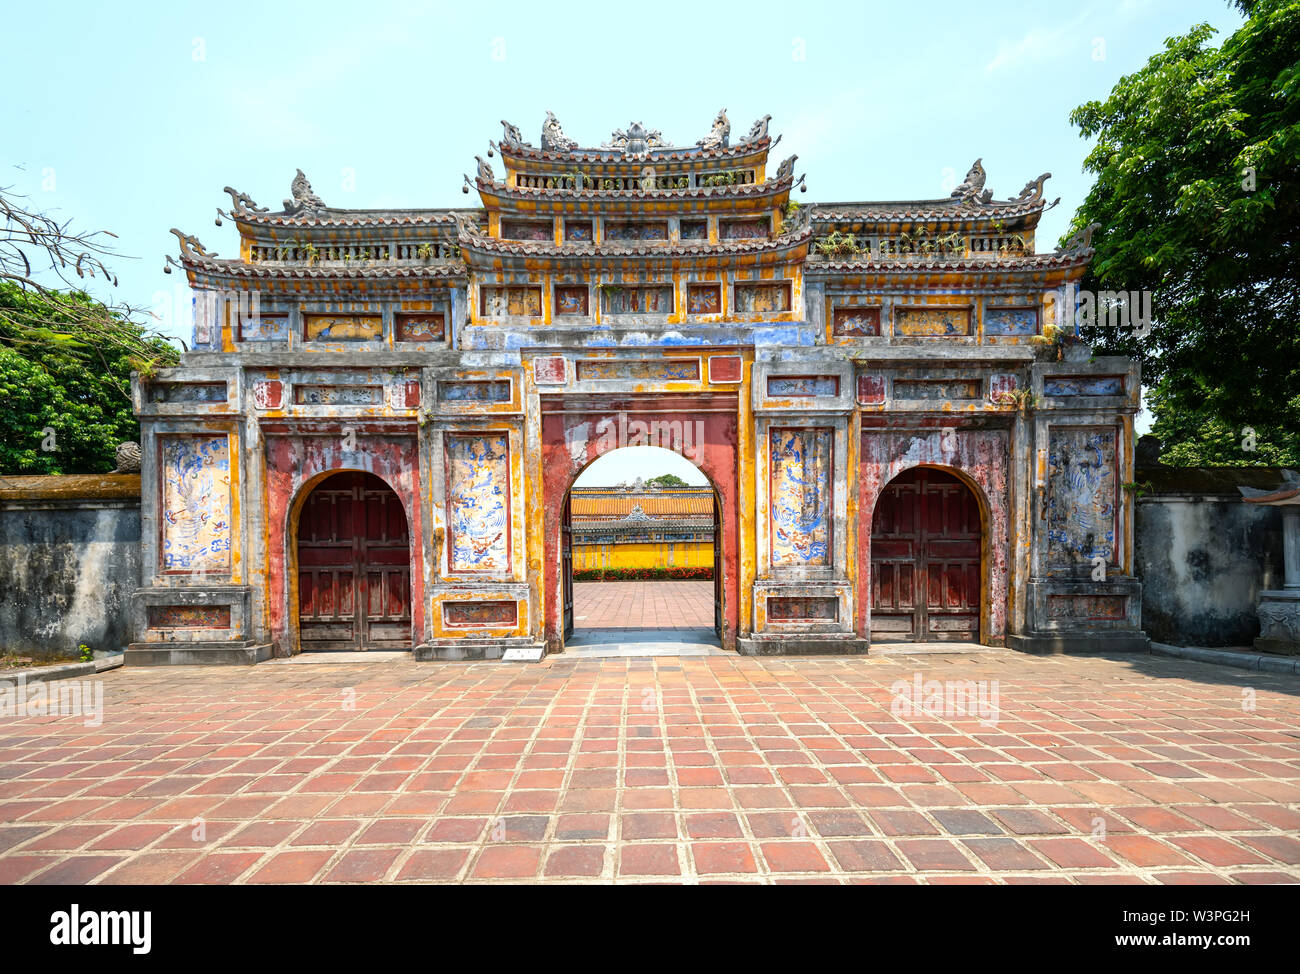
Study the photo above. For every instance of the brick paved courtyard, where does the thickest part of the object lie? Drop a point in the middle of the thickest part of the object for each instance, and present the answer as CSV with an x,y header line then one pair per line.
x,y
650,770
643,605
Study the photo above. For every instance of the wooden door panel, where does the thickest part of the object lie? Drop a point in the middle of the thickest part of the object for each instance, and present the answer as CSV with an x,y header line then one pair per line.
x,y
354,583
925,559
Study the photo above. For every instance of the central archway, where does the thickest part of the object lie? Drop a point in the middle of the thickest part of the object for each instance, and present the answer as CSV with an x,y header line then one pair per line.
x,y
640,547
354,566
926,543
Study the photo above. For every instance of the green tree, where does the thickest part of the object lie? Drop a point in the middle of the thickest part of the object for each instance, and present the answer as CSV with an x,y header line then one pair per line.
x,y
65,389
1197,193
666,480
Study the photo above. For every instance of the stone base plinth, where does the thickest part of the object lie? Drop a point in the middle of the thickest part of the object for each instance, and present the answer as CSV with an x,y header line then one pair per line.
x,y
809,644
1279,622
1099,641
520,650
216,652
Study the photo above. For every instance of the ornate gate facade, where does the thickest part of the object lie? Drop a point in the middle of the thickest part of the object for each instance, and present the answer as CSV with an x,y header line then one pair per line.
x,y
637,293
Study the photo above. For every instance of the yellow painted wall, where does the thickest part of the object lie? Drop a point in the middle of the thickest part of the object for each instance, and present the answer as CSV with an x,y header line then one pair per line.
x,y
650,554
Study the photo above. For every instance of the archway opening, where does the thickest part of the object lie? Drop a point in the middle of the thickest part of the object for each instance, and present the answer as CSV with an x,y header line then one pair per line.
x,y
926,544
354,566
641,550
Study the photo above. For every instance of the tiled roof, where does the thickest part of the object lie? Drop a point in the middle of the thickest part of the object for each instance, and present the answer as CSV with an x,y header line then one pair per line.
x,y
614,154
614,504
911,264
769,187
536,248
348,218
378,270
921,210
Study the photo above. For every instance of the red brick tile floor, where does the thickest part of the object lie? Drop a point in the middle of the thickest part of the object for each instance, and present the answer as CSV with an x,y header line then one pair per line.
x,y
1139,769
643,605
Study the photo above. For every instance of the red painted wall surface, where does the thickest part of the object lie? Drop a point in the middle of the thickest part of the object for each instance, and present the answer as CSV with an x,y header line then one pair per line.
x,y
570,441
982,457
293,460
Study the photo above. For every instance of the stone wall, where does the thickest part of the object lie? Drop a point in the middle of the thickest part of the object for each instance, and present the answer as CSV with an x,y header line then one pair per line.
x,y
1203,555
69,561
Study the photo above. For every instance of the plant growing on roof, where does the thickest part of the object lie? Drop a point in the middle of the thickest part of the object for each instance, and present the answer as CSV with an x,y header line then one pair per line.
x,y
836,244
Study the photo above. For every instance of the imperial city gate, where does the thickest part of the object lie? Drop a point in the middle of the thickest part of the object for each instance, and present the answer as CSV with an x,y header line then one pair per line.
x,y
372,439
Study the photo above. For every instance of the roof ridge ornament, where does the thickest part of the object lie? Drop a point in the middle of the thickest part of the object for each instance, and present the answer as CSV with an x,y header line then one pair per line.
x,y
1078,242
553,137
242,201
786,169
636,140
190,246
719,134
484,170
304,199
512,137
1033,191
757,131
971,189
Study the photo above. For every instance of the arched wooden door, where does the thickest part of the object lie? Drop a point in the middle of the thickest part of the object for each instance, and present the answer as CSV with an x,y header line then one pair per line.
x,y
925,559
354,566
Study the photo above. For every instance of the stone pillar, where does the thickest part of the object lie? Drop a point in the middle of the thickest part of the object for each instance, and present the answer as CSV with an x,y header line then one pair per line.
x,y
1279,609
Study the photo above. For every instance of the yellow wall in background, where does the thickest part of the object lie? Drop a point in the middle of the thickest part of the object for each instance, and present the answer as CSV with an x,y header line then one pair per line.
x,y
650,554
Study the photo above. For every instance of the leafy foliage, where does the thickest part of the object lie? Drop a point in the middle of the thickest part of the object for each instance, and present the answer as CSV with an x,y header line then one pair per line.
x,y
1197,192
666,480
66,385
642,574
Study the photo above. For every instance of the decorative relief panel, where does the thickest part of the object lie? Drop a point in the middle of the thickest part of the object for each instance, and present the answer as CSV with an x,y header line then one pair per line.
x,y
423,326
636,230
480,614
188,392
189,617
763,297
264,328
810,609
500,302
803,385
1011,321
571,299
936,388
1087,607
549,371
664,370
871,390
917,322
338,395
801,497
195,503
742,229
1081,495
478,502
855,322
343,328
654,299
474,390
1066,386
704,299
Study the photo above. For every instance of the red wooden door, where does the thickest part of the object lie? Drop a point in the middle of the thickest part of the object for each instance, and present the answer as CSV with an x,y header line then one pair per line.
x,y
354,566
925,559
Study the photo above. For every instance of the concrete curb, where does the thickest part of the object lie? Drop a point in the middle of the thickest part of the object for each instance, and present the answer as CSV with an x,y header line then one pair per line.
x,y
1224,657
62,671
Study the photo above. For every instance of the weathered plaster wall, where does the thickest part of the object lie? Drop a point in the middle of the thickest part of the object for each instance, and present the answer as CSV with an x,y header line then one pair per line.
x,y
1203,561
67,571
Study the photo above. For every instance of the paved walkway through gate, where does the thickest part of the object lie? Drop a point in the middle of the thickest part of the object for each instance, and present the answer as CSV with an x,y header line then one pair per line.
x,y
1135,769
643,605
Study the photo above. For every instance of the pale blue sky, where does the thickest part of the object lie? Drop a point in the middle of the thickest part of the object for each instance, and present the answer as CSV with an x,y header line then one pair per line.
x,y
132,117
